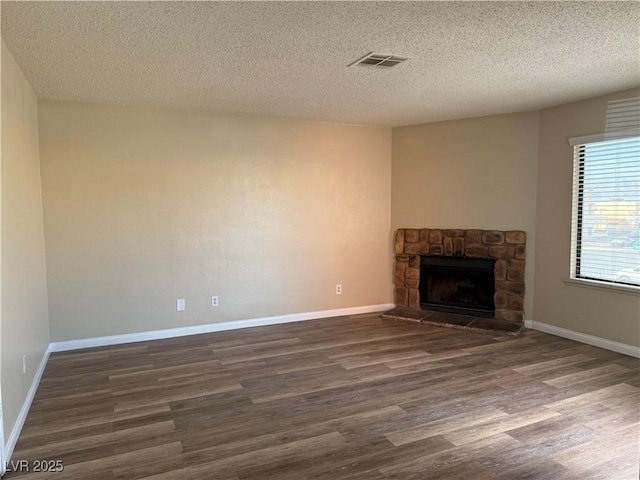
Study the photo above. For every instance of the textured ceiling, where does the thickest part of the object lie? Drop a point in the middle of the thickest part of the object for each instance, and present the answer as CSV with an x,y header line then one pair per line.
x,y
290,59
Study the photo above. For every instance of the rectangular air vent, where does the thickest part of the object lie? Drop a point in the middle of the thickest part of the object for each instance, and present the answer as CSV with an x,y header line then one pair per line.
x,y
378,60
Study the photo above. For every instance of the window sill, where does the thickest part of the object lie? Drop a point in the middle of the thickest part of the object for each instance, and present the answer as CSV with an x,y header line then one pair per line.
x,y
624,289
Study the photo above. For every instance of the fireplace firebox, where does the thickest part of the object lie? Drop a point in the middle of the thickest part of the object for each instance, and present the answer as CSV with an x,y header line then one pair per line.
x,y
458,285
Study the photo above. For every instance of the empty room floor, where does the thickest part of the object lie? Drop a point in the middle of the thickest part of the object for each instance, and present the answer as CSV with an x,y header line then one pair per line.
x,y
343,398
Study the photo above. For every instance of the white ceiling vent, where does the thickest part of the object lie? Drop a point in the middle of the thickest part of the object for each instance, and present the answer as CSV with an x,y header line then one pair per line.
x,y
378,60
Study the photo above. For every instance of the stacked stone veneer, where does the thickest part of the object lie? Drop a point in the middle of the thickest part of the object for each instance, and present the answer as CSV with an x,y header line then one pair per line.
x,y
508,248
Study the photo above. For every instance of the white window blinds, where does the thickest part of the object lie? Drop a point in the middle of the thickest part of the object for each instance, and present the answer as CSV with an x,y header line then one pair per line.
x,y
606,209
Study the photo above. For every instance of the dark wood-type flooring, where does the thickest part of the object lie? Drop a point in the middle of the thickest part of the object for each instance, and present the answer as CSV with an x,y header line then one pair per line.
x,y
343,398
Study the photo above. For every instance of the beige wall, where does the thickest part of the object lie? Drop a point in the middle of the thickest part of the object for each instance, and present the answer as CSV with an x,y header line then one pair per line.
x,y
470,173
25,323
606,314
2,434
145,206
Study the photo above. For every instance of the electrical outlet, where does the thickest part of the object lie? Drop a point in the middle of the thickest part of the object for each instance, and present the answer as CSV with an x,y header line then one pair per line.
x,y
338,289
24,364
181,305
214,301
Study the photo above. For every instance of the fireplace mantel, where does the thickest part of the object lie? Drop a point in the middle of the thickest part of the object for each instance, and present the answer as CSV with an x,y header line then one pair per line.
x,y
508,248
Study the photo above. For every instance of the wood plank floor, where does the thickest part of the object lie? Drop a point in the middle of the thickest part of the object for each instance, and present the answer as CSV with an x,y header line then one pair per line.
x,y
343,398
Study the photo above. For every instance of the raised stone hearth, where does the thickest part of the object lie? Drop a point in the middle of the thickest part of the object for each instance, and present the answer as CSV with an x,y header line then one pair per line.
x,y
507,248
491,326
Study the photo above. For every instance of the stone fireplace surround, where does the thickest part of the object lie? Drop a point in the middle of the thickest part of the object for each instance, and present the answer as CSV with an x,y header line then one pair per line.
x,y
508,248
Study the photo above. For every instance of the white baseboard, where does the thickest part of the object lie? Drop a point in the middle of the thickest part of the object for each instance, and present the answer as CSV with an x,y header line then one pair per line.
x,y
22,416
212,327
584,338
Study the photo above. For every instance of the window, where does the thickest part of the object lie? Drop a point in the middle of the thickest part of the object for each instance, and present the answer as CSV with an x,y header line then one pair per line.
x,y
606,209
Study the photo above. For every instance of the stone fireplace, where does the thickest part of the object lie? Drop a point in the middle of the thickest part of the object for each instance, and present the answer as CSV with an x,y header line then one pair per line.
x,y
415,248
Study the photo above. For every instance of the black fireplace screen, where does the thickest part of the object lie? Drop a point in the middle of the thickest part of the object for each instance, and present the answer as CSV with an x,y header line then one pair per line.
x,y
457,285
